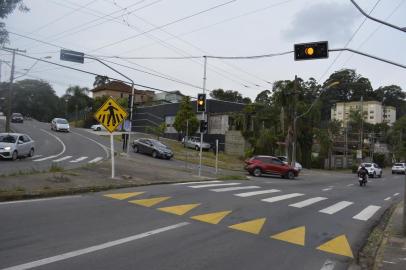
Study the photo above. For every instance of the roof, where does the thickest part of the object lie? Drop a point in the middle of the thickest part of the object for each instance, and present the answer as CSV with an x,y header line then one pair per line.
x,y
119,87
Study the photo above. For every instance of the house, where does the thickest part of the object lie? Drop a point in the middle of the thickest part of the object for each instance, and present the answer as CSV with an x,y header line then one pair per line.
x,y
117,90
374,112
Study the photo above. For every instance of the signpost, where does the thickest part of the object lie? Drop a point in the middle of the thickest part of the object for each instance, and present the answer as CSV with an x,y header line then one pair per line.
x,y
111,115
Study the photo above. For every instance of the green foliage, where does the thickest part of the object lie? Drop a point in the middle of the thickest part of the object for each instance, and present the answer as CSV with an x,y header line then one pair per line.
x,y
186,118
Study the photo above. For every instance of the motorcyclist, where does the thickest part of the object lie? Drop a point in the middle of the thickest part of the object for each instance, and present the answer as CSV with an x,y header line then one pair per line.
x,y
362,172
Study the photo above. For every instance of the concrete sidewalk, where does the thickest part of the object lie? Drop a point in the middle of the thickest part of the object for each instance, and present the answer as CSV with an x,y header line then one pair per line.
x,y
392,254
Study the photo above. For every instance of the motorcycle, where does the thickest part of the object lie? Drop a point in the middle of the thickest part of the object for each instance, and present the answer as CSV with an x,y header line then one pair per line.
x,y
363,180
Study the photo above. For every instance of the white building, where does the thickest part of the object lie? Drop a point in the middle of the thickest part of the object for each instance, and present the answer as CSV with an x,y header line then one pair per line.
x,y
374,112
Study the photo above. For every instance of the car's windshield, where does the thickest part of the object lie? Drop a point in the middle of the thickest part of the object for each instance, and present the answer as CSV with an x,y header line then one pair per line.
x,y
61,121
8,138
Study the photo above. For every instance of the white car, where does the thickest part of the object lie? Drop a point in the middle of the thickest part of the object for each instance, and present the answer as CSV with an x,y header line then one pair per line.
x,y
284,159
60,124
97,127
373,169
399,168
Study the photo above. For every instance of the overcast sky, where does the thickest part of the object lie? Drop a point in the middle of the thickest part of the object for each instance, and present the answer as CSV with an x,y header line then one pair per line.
x,y
178,28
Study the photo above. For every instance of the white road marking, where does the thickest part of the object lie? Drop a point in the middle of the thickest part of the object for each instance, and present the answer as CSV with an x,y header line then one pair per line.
x,y
254,193
62,159
78,160
396,194
54,156
40,200
282,197
96,160
233,188
335,207
307,202
350,185
215,185
367,213
388,198
328,265
105,148
197,182
91,249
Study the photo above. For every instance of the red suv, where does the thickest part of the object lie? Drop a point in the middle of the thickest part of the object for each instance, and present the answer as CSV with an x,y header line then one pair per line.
x,y
259,165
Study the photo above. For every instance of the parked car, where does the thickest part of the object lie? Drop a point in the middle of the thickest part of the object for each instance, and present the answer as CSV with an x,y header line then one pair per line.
x,y
60,124
194,143
98,127
399,168
373,169
17,118
152,147
15,145
259,165
298,166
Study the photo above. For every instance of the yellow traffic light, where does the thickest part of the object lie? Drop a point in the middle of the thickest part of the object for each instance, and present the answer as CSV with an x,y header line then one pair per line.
x,y
309,51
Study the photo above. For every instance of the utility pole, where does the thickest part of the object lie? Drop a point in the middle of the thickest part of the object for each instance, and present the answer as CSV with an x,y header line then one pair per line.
x,y
10,89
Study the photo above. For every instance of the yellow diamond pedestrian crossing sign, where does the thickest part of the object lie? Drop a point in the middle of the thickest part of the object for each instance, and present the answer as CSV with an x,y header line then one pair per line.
x,y
110,115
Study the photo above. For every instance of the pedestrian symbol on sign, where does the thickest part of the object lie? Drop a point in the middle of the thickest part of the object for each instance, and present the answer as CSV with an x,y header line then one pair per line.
x,y
110,115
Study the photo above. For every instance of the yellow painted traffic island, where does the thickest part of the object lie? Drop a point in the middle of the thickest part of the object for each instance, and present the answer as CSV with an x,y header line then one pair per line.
x,y
212,218
123,196
252,226
179,209
294,236
338,245
150,202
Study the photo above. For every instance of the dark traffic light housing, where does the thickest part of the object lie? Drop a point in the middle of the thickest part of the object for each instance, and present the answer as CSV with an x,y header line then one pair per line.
x,y
308,51
201,102
203,126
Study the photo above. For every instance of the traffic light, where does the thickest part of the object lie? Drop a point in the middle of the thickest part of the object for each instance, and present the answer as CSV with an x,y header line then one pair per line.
x,y
308,51
203,126
201,102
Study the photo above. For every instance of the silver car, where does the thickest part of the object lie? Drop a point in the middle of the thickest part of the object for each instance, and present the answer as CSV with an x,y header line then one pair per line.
x,y
194,142
15,145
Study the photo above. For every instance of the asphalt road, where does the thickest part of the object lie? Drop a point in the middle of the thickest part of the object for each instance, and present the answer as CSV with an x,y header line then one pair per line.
x,y
318,221
67,150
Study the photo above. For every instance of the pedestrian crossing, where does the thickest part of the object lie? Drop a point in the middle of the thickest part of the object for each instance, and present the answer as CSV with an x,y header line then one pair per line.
x,y
296,200
70,159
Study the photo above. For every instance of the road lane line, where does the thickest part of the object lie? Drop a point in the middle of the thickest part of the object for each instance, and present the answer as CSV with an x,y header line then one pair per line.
x,y
62,159
307,202
282,197
367,213
105,148
254,193
328,265
54,156
196,182
96,160
387,199
233,188
95,248
40,200
335,207
396,194
215,185
78,160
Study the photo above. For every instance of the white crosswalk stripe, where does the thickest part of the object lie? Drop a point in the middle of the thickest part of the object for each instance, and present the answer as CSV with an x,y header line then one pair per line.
x,y
282,197
254,193
367,213
78,160
62,159
196,182
308,202
215,185
233,188
336,207
95,160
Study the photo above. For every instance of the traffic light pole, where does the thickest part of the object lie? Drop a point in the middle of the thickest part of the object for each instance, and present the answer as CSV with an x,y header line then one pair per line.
x,y
201,133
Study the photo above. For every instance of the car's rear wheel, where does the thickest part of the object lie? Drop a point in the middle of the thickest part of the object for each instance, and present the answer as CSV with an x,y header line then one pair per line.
x,y
135,149
154,154
290,175
14,156
257,172
31,153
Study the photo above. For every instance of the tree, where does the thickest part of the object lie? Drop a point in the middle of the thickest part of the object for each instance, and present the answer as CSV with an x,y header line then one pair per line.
x,y
229,95
186,118
6,8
